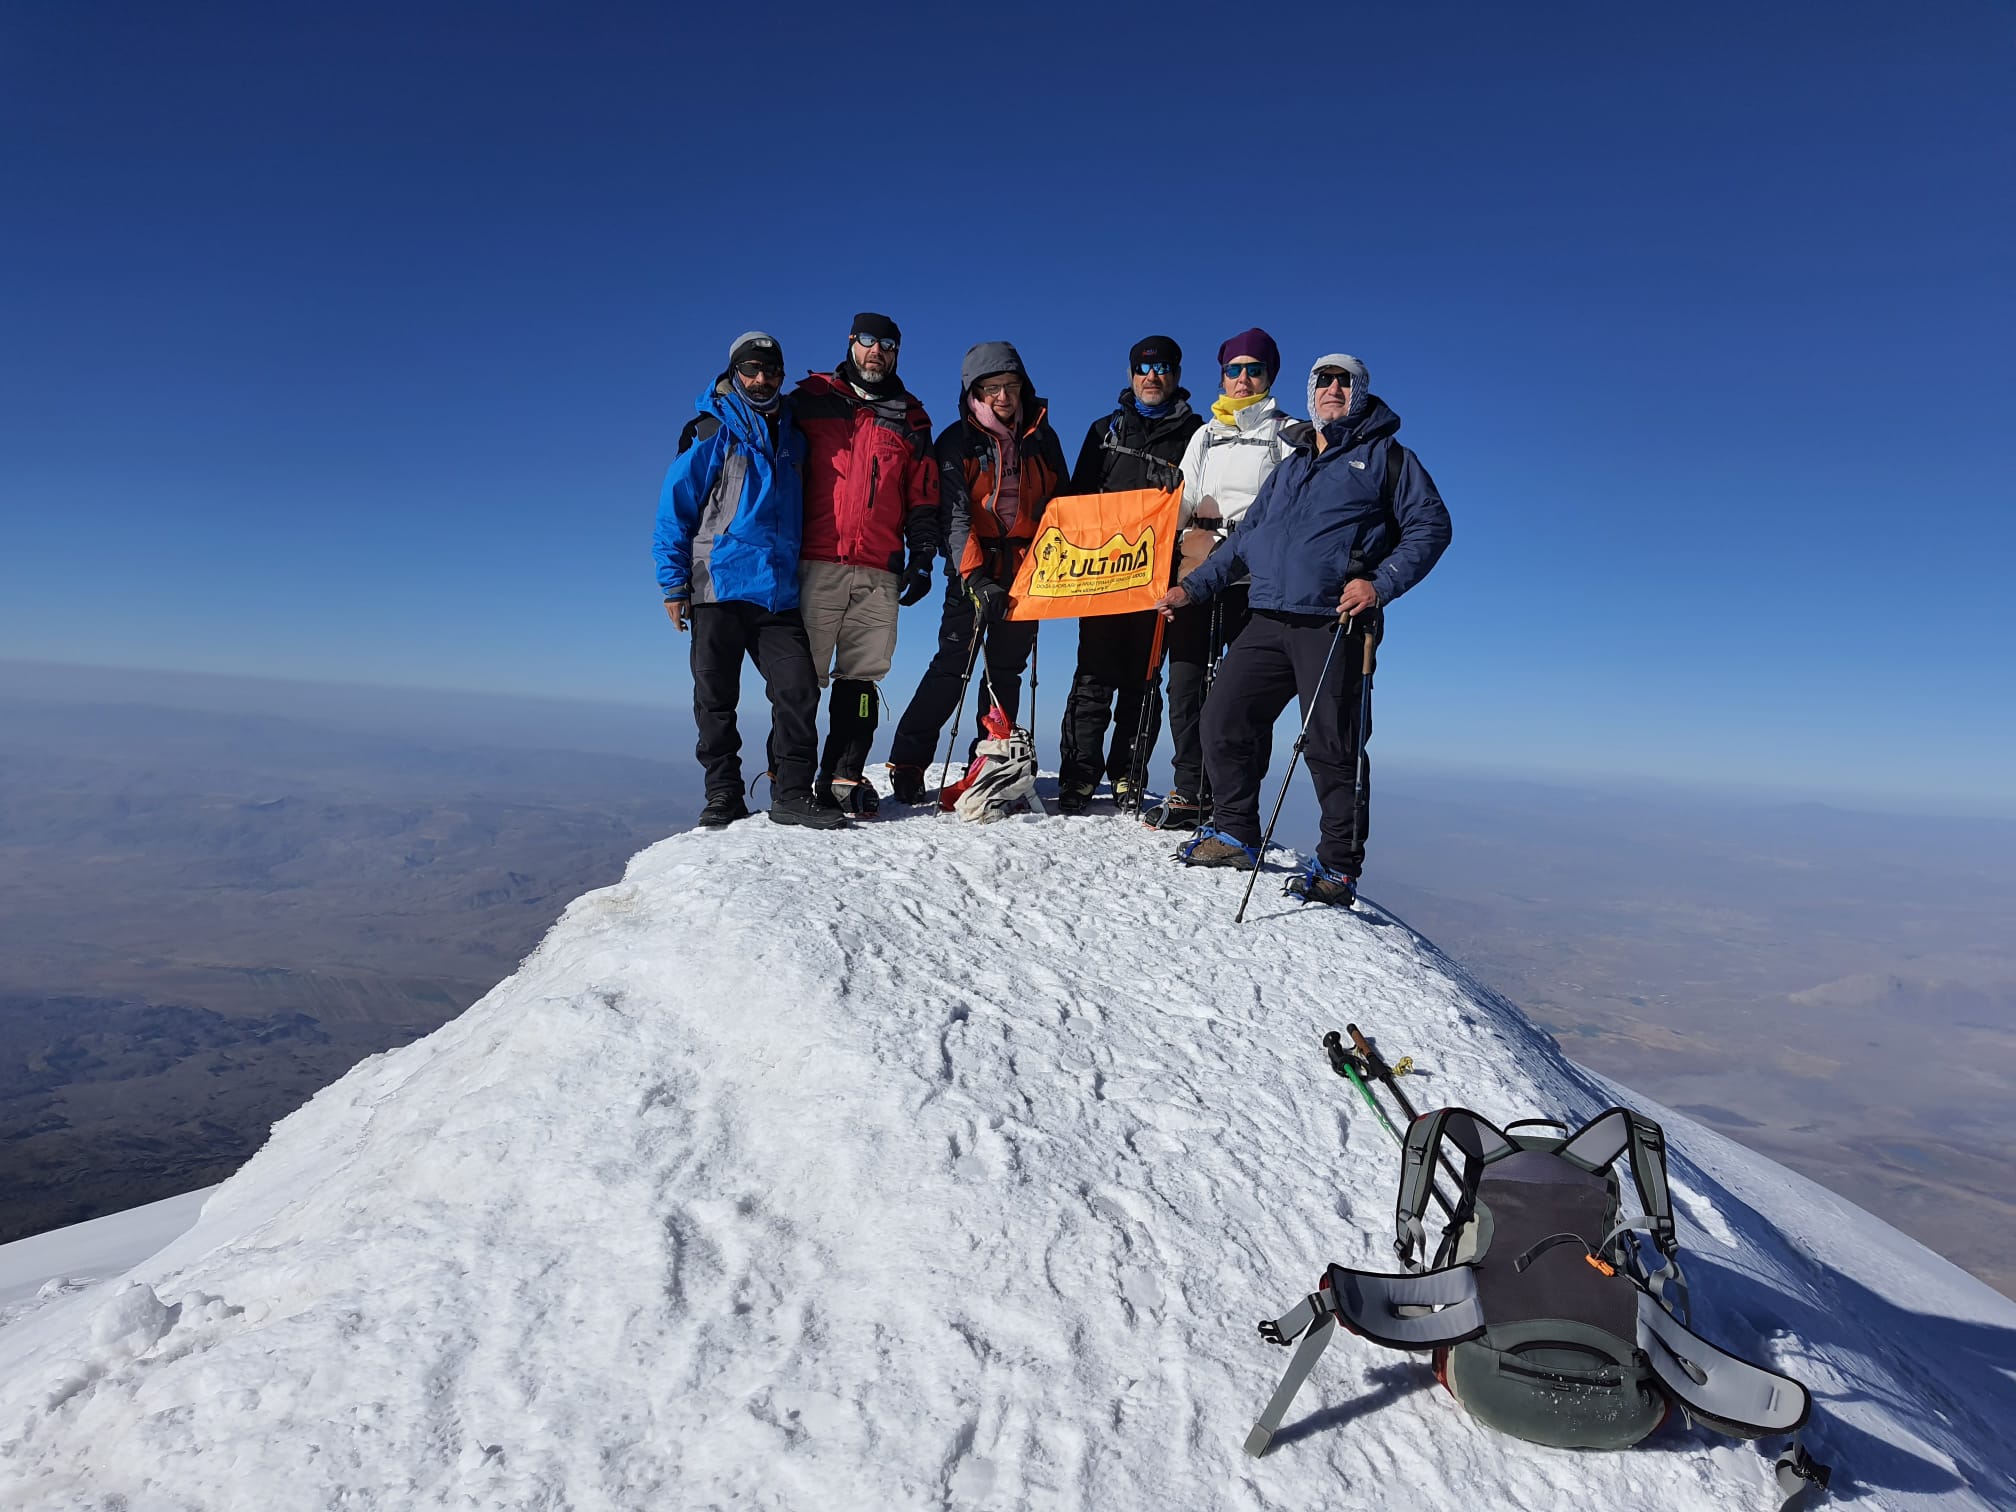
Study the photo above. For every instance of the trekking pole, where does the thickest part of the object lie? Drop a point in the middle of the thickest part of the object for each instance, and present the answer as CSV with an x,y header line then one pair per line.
x,y
1213,652
1376,1062
1367,1066
1390,1079
1364,720
1035,644
1144,731
959,709
1302,739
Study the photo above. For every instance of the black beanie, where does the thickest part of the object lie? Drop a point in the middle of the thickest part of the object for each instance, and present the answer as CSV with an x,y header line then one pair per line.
x,y
868,323
1155,349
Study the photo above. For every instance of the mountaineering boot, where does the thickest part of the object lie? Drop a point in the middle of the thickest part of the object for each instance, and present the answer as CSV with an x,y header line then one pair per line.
x,y
1074,797
857,798
803,808
906,783
1175,812
1319,884
1216,848
1123,793
724,807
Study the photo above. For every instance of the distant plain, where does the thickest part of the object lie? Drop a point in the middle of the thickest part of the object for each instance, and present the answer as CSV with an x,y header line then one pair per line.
x,y
217,895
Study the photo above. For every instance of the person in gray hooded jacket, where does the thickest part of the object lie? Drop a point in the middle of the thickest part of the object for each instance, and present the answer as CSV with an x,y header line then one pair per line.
x,y
999,464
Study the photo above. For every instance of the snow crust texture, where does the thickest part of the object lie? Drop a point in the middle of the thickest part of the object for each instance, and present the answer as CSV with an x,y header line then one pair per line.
x,y
925,1166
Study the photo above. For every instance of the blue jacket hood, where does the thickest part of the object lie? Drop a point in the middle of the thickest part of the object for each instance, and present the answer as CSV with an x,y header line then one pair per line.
x,y
725,403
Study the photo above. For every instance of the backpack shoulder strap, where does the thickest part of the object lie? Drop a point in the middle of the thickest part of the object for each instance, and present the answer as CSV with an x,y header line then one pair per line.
x,y
1596,1146
699,428
1481,1142
1717,1389
1389,483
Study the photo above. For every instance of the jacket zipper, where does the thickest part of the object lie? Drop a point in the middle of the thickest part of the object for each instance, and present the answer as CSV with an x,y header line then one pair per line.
x,y
861,531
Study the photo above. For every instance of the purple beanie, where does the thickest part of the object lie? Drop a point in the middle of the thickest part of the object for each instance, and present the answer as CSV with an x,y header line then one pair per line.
x,y
1253,343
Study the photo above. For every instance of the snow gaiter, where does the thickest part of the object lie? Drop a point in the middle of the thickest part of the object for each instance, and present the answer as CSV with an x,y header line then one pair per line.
x,y
853,712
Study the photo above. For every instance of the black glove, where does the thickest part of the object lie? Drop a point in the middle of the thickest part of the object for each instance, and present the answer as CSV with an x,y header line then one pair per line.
x,y
916,583
989,597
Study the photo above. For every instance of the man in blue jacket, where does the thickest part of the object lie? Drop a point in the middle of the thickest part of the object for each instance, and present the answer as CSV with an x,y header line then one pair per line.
x,y
1339,530
729,521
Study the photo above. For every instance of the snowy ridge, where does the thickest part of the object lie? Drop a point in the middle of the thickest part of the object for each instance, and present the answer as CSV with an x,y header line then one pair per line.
x,y
925,1165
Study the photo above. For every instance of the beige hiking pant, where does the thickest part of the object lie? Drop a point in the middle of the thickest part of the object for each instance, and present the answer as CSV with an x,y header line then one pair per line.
x,y
850,618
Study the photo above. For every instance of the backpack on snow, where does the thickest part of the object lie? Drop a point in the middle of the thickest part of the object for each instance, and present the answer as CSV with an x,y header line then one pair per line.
x,y
1538,1309
1002,777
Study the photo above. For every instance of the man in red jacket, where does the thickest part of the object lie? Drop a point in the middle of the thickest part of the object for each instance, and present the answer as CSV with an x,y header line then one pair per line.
x,y
871,494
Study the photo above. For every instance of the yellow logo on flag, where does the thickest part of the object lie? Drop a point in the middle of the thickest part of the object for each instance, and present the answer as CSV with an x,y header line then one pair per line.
x,y
1064,575
1066,570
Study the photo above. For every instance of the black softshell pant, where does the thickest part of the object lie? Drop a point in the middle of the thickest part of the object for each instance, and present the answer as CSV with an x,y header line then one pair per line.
x,y
1004,654
722,635
1191,648
1111,678
1278,659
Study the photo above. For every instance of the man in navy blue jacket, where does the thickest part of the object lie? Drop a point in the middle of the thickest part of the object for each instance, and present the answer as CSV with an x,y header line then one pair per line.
x,y
1339,531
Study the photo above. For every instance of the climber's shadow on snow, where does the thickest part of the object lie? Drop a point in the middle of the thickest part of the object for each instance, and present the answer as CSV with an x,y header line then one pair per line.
x,y
1391,1383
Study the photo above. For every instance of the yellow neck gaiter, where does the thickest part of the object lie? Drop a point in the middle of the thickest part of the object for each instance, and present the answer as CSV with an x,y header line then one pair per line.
x,y
1225,408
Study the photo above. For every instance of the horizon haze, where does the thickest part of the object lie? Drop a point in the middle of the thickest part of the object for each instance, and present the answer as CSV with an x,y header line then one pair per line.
x,y
243,895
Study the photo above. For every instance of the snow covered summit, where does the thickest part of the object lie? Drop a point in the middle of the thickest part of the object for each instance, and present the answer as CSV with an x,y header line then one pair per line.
x,y
925,1165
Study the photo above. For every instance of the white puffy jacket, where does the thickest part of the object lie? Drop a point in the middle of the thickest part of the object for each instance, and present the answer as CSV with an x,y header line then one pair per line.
x,y
1224,465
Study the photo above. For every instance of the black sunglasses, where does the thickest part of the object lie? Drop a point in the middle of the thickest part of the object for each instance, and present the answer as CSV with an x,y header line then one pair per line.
x,y
756,368
1328,376
887,343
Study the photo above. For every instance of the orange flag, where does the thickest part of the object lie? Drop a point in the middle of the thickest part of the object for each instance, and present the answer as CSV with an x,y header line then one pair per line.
x,y
1097,554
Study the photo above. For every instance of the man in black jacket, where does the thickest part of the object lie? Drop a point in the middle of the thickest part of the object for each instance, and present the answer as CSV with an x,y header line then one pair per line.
x,y
1139,445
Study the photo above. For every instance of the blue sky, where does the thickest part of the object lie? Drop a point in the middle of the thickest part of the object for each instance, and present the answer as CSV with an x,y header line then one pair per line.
x,y
352,343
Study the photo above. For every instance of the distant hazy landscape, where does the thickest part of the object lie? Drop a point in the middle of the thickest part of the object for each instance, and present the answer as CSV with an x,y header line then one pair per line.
x,y
207,913
1834,989
217,896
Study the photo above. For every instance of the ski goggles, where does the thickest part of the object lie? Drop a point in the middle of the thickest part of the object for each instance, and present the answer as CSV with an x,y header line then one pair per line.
x,y
1330,376
887,343
1158,369
1245,370
756,367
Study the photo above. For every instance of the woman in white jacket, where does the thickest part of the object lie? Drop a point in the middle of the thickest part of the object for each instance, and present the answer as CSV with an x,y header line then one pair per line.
x,y
1223,467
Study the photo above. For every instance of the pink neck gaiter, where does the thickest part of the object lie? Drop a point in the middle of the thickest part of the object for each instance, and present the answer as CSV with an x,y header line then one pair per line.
x,y
1007,500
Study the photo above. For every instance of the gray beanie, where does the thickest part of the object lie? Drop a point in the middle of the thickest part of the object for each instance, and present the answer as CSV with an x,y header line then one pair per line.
x,y
990,357
1361,380
758,344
